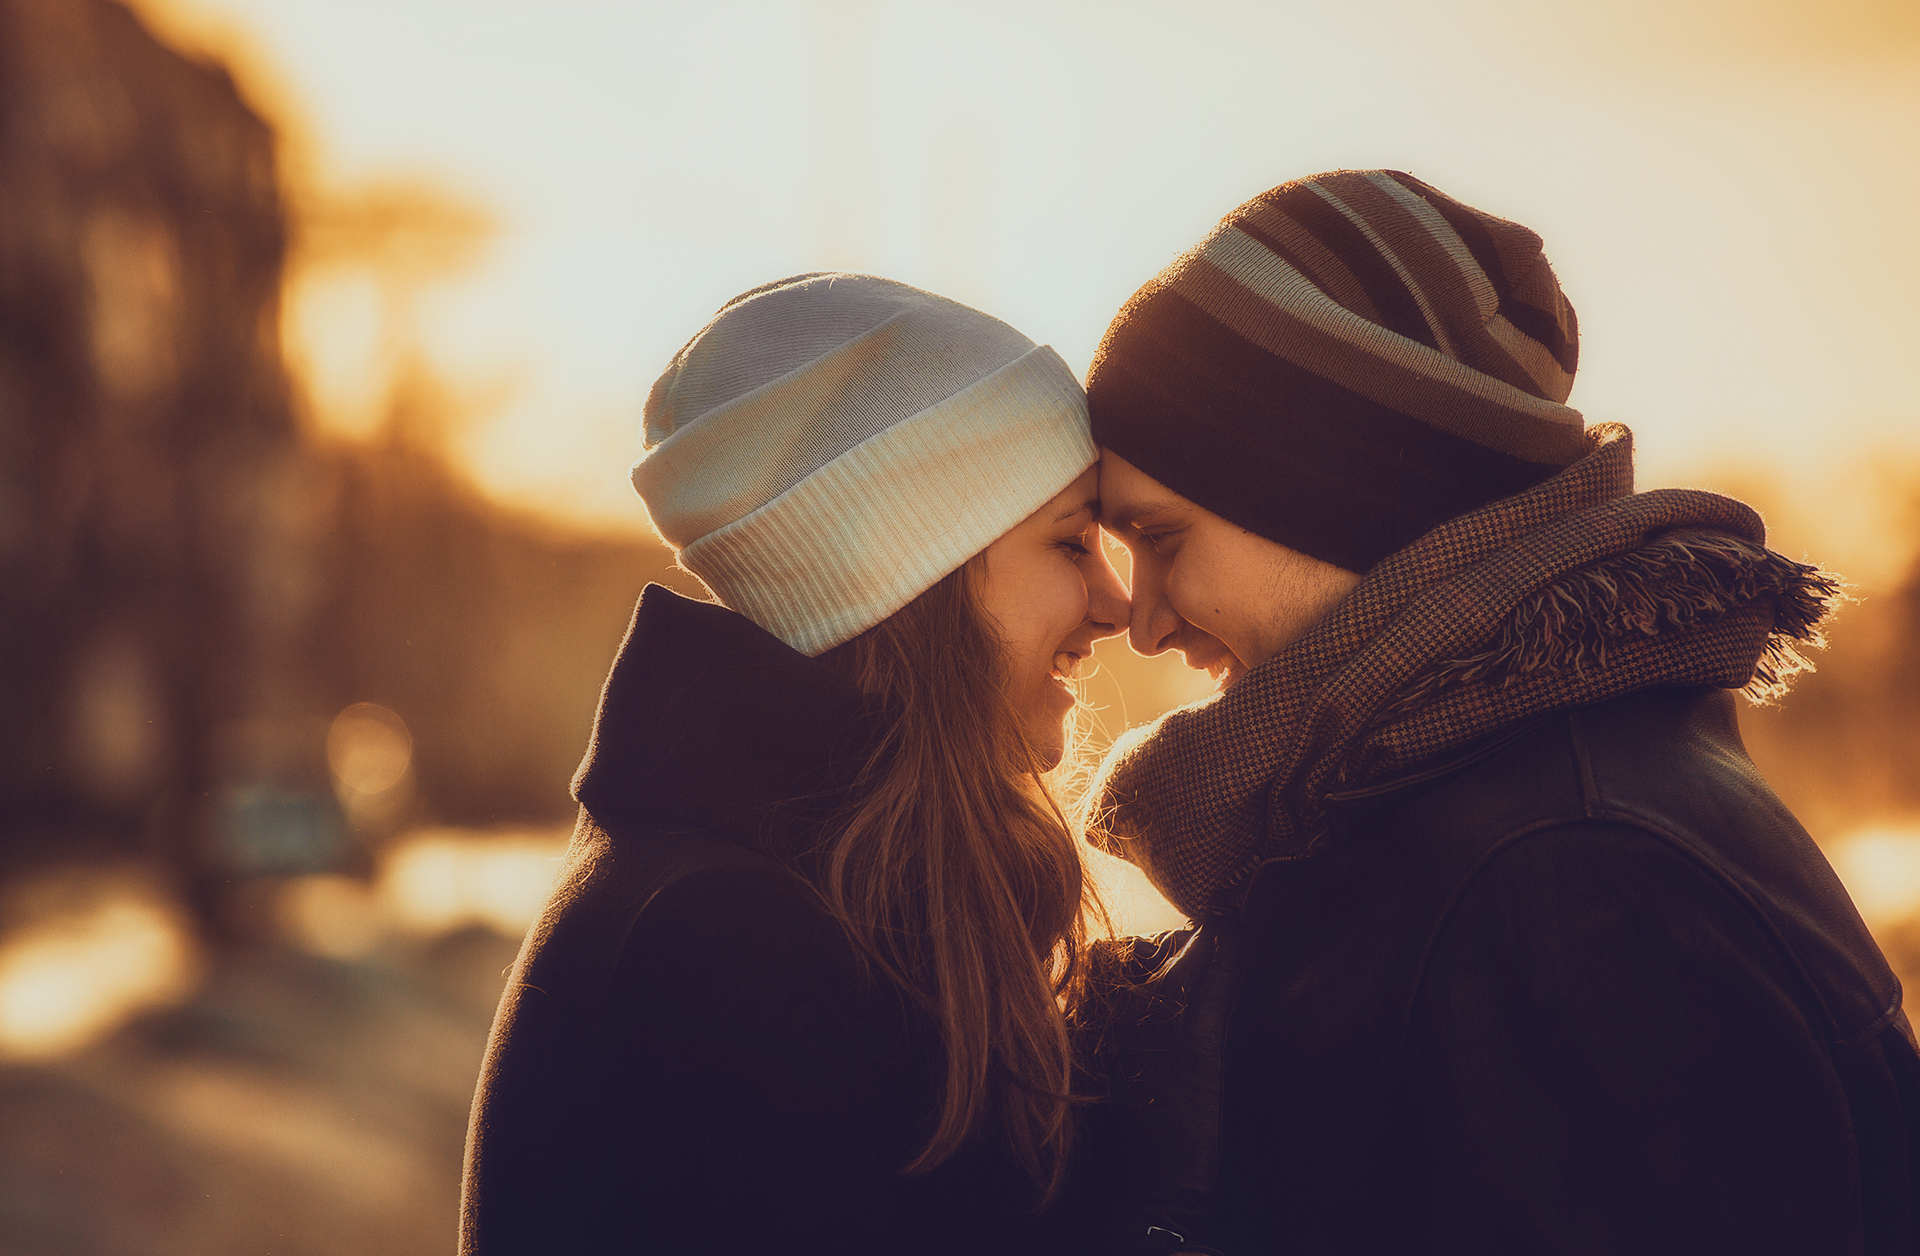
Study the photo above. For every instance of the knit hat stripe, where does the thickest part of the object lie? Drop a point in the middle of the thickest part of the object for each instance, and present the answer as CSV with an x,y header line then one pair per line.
x,y
1542,312
1281,449
1422,241
1423,227
1269,225
1415,242
1541,372
1253,291
1455,282
867,533
1384,287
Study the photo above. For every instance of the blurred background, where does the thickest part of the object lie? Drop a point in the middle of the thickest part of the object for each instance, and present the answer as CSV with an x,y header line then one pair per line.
x,y
324,332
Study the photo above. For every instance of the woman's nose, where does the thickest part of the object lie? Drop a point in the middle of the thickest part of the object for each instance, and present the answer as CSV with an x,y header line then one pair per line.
x,y
1109,609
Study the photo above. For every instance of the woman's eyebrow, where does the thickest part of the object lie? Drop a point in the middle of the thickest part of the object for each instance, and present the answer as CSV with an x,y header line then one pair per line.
x,y
1091,505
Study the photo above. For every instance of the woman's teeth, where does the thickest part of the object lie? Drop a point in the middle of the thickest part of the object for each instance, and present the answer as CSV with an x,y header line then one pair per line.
x,y
1066,665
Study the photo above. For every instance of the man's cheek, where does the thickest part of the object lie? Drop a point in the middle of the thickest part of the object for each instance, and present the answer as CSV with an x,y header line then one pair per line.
x,y
1193,595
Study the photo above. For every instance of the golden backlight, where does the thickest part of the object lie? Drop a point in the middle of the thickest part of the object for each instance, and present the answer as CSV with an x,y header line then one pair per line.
x,y
1688,140
1716,182
506,217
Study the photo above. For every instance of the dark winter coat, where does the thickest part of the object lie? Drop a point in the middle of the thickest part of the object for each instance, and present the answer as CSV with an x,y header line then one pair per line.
x,y
688,1057
1585,988
1508,947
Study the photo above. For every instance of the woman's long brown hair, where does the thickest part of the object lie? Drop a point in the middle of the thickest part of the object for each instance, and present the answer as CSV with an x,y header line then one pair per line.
x,y
959,878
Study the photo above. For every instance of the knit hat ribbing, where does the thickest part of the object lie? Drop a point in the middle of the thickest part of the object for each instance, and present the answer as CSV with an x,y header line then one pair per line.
x,y
831,445
1346,362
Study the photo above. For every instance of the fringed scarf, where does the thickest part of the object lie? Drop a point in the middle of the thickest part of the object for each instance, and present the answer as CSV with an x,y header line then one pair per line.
x,y
1575,591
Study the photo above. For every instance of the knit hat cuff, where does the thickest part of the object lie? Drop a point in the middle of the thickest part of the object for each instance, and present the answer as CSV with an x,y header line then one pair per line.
x,y
870,531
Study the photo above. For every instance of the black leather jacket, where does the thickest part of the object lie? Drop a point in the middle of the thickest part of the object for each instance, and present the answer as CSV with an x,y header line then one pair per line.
x,y
1588,988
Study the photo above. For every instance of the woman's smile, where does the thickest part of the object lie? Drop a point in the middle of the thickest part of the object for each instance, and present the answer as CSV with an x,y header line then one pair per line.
x,y
1050,591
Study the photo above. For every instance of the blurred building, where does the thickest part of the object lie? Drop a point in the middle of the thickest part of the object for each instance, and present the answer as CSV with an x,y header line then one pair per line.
x,y
194,589
143,415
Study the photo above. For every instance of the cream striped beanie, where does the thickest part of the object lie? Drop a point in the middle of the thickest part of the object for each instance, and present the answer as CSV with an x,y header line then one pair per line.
x,y
831,445
1346,362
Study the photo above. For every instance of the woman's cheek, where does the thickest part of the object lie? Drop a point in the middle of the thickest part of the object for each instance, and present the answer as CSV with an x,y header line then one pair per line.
x,y
1071,601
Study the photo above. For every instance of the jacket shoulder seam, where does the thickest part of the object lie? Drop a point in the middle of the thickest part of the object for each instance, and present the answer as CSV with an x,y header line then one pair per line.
x,y
1500,845
1591,813
1790,957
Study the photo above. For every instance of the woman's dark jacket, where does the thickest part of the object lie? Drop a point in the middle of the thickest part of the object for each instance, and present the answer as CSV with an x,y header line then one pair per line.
x,y
688,1057
1589,988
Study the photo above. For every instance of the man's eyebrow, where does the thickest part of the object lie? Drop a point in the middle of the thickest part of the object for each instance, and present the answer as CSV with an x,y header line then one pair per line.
x,y
1092,504
1133,512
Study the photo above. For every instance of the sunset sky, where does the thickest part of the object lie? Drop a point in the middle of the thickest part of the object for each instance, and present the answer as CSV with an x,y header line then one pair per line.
x,y
1728,192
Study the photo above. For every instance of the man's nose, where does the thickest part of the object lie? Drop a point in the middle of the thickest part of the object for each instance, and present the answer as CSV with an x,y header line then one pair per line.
x,y
1155,625
1150,642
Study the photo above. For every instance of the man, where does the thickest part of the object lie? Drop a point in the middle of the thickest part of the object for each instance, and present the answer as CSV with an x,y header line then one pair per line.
x,y
1511,949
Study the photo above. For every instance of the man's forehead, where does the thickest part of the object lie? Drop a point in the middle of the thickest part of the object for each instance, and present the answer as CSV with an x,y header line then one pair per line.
x,y
1141,498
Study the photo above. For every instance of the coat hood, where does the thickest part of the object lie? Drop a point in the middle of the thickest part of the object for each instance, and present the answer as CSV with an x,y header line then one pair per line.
x,y
709,721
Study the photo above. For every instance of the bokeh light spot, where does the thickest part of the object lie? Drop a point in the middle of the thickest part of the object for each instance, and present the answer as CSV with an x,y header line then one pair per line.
x,y
439,880
68,980
1881,869
332,915
369,748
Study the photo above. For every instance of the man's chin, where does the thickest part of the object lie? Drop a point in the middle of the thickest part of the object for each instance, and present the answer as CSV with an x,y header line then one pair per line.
x,y
1225,670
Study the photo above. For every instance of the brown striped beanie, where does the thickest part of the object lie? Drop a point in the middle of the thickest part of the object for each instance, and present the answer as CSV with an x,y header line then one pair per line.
x,y
1346,362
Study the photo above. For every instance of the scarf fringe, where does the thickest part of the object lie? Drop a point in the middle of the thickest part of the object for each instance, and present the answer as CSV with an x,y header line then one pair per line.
x,y
1677,581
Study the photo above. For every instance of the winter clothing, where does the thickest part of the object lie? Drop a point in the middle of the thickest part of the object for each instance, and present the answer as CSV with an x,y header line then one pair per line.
x,y
1585,988
1345,362
1544,601
1508,947
831,445
689,1057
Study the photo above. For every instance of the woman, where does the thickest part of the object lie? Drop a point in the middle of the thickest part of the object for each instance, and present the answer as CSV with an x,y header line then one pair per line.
x,y
796,990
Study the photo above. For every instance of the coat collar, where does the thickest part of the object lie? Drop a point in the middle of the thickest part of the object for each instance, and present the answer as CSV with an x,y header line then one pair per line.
x,y
708,721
